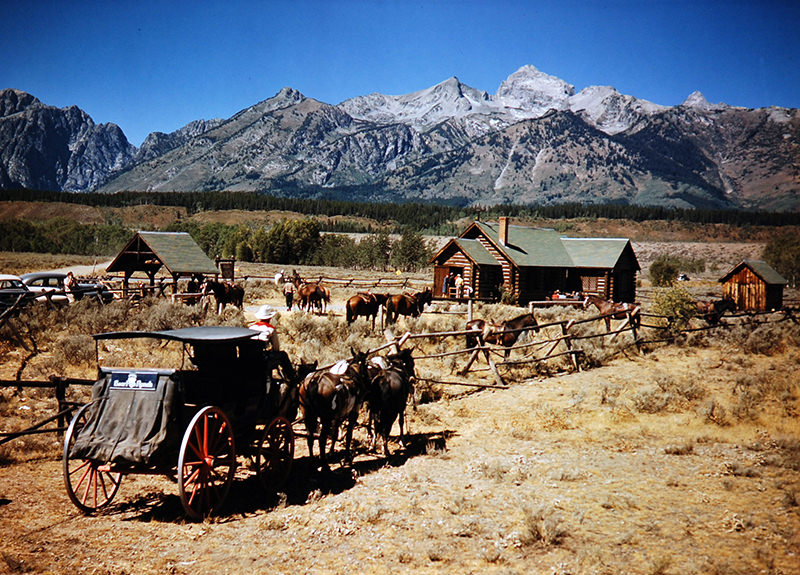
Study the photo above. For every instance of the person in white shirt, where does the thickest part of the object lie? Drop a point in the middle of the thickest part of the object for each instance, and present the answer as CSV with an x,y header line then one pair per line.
x,y
266,331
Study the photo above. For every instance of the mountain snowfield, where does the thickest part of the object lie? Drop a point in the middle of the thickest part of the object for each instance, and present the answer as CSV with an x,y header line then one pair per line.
x,y
526,94
535,140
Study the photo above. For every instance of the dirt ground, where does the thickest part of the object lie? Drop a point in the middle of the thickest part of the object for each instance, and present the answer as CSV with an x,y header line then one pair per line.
x,y
680,459
568,474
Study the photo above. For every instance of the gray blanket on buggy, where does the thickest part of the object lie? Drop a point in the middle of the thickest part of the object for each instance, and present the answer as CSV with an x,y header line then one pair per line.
x,y
134,420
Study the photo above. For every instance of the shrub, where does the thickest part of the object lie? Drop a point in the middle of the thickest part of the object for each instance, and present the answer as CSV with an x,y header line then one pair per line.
x,y
663,271
676,305
543,525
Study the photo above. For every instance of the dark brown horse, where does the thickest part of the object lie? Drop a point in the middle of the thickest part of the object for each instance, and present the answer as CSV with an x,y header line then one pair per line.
x,y
412,304
388,395
366,304
611,309
329,399
712,311
224,293
505,333
284,390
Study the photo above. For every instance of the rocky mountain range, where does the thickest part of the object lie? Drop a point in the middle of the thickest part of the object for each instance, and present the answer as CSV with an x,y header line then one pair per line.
x,y
534,141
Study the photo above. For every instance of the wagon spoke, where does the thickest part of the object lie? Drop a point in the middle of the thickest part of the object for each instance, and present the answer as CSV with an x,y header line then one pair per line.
x,y
88,487
204,483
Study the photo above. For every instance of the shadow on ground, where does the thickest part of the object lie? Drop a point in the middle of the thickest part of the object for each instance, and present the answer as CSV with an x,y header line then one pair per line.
x,y
306,483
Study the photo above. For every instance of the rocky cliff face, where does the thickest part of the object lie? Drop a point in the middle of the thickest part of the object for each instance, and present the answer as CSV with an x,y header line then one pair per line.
x,y
42,147
535,140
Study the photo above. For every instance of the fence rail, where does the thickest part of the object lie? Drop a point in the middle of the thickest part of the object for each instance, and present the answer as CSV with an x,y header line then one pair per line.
x,y
567,337
65,407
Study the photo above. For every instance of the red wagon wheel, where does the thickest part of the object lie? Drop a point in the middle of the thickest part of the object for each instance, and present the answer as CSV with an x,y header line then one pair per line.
x,y
89,487
275,454
206,463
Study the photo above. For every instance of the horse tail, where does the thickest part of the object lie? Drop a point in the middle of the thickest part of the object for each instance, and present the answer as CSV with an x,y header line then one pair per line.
x,y
349,312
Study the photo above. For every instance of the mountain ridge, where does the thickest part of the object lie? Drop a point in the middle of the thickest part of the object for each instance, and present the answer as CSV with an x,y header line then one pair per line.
x,y
536,140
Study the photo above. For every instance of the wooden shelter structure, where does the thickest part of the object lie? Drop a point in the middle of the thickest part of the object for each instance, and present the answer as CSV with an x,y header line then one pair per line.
x,y
533,263
148,252
754,286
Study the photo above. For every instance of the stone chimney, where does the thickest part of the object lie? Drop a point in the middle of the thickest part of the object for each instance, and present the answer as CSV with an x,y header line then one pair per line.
x,y
503,233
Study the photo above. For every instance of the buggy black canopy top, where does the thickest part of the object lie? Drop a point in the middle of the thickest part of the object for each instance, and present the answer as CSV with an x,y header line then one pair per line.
x,y
190,335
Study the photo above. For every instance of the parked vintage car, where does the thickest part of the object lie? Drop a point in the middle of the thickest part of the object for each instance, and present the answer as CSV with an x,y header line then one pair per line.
x,y
13,290
53,282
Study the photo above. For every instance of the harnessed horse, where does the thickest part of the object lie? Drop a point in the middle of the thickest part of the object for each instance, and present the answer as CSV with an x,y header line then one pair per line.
x,y
388,395
407,304
329,399
712,311
366,304
615,310
505,333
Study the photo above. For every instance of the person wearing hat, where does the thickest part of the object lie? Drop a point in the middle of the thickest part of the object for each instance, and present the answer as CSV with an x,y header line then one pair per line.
x,y
267,331
288,292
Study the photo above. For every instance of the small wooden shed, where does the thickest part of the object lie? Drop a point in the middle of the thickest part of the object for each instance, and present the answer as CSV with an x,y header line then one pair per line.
x,y
148,252
754,286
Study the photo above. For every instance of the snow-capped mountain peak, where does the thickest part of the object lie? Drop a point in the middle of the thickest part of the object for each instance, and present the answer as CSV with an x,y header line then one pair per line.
x,y
697,101
448,99
530,90
610,111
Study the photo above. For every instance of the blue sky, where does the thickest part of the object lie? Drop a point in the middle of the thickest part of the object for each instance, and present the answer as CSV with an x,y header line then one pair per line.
x,y
155,66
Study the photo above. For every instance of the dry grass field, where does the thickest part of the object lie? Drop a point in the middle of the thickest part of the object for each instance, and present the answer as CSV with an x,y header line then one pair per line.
x,y
677,458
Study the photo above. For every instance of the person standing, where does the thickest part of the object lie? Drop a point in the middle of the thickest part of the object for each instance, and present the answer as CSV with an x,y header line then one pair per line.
x,y
71,286
445,284
288,293
459,282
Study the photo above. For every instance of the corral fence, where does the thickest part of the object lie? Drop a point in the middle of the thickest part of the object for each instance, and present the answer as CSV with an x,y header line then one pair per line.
x,y
64,411
566,343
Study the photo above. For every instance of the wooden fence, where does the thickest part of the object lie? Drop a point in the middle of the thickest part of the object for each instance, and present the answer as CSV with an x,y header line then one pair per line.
x,y
63,412
564,344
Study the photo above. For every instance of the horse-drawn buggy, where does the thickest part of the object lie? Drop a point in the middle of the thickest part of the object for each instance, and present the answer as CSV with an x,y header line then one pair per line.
x,y
191,423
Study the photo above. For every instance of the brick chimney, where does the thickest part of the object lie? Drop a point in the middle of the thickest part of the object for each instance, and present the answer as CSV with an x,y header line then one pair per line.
x,y
503,233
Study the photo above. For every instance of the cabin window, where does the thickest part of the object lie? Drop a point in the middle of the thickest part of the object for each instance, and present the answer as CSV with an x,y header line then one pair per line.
x,y
589,284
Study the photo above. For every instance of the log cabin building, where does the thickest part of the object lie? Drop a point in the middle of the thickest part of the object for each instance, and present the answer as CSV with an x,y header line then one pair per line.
x,y
533,263
754,286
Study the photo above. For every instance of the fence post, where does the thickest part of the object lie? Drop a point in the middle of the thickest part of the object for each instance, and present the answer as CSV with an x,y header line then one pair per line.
x,y
497,377
568,342
469,310
61,396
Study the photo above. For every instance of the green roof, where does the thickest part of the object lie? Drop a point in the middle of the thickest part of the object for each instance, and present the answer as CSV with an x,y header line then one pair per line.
x,y
530,247
476,252
595,252
176,251
761,268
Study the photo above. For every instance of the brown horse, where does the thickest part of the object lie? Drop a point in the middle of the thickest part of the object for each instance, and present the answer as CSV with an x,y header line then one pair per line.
x,y
412,304
388,395
505,333
615,310
712,311
224,293
284,391
366,304
311,295
329,399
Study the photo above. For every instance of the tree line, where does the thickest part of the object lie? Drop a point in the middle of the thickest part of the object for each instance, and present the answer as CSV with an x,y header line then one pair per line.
x,y
289,241
422,217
